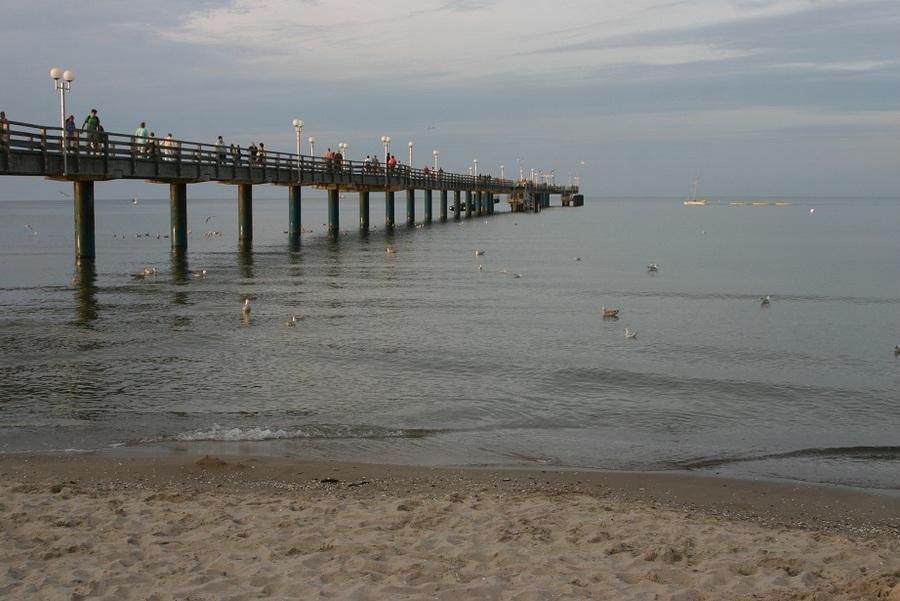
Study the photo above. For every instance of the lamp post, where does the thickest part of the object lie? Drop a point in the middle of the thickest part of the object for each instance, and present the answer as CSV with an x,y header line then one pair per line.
x,y
63,81
298,127
476,166
312,146
386,141
411,144
342,146
470,172
435,154
501,171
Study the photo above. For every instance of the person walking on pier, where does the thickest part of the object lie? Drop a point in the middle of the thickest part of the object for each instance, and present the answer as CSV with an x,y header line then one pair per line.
x,y
261,154
140,138
329,159
220,150
168,147
91,126
4,131
71,133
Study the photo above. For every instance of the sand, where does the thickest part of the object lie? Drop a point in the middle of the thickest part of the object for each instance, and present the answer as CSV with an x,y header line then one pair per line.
x,y
236,527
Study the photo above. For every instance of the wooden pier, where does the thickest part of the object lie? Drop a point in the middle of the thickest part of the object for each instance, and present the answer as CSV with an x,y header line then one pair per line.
x,y
35,150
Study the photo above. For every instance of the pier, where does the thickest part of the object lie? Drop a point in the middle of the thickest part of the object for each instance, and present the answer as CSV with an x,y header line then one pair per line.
x,y
37,151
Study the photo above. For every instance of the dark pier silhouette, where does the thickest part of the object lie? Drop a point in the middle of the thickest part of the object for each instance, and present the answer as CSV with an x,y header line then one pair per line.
x,y
35,150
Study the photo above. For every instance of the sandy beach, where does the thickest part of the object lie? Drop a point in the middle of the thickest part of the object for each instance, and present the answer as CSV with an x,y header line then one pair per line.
x,y
237,527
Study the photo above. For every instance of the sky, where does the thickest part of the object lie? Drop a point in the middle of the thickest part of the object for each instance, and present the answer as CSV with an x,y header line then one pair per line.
x,y
637,98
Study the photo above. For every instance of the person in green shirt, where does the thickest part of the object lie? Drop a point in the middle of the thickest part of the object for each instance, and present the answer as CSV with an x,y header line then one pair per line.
x,y
91,125
141,134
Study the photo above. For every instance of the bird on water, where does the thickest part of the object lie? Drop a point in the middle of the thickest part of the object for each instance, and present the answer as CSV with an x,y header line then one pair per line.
x,y
630,334
765,300
609,313
653,267
245,308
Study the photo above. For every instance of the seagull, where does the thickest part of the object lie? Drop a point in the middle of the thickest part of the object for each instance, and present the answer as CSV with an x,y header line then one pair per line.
x,y
897,350
134,201
765,300
390,250
517,275
481,268
654,267
199,274
245,308
630,334
292,321
150,270
65,194
479,253
576,259
208,218
609,313
31,229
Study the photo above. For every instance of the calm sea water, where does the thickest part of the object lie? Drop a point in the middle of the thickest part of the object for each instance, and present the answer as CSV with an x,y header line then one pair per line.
x,y
421,357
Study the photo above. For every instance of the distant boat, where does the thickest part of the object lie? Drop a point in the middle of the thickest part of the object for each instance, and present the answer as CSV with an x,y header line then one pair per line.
x,y
693,201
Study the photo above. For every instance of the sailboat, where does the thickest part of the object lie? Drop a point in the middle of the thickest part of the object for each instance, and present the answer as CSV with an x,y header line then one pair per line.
x,y
693,201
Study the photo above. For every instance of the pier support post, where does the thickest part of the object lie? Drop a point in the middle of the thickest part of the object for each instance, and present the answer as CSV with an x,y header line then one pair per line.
x,y
84,220
468,203
443,205
428,206
334,217
479,203
294,221
178,216
245,213
364,210
457,205
389,209
410,207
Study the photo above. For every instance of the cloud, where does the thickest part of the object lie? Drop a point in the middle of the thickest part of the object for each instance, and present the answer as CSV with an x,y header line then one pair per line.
x,y
465,41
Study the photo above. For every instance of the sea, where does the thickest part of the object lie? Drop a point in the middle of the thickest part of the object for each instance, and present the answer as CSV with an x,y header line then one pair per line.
x,y
435,355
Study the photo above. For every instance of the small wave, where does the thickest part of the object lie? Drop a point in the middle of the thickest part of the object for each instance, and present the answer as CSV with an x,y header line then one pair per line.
x,y
319,431
860,453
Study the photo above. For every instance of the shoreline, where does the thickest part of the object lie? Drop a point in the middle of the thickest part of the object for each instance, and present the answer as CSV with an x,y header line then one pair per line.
x,y
219,527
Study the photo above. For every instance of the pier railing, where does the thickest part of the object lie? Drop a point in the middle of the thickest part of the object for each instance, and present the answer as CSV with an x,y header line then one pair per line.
x,y
29,149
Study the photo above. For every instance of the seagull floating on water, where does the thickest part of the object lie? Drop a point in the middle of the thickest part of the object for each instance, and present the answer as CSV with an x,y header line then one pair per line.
x,y
609,313
577,259
479,253
245,308
390,250
630,334
897,350
292,321
653,267
134,201
765,300
199,274
516,275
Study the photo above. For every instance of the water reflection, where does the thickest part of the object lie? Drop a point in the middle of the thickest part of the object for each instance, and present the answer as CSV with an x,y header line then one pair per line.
x,y
180,276
85,285
245,260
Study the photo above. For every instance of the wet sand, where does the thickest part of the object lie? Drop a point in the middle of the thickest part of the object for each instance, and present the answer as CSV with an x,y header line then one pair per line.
x,y
236,527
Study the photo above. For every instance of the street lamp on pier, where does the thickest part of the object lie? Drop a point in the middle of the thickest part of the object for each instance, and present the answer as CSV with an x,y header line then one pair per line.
x,y
63,81
476,166
501,171
411,144
312,146
386,141
342,146
435,154
470,172
298,127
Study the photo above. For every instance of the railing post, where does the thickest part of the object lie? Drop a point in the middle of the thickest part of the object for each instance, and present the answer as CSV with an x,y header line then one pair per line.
x,y
46,159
